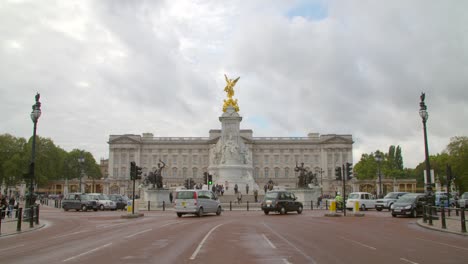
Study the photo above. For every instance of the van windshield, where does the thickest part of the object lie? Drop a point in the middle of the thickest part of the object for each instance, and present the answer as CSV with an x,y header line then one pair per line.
x,y
184,195
354,196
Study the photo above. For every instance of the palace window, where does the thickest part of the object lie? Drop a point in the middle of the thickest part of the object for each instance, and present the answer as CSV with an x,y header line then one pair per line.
x,y
184,159
184,172
286,172
195,159
286,159
116,172
256,172
174,172
276,159
277,172
267,172
194,172
174,159
266,159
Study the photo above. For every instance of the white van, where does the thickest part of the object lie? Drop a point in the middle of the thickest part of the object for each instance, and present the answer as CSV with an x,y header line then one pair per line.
x,y
365,200
197,202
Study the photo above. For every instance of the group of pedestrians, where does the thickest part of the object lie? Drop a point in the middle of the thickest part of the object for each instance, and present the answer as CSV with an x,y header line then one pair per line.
x,y
7,206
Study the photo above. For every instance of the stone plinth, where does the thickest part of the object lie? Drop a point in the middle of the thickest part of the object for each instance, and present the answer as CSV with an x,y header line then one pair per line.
x,y
307,195
155,197
230,175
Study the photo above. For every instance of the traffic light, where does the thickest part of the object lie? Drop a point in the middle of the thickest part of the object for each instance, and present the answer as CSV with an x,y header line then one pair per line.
x,y
210,179
205,177
338,173
349,171
132,170
139,171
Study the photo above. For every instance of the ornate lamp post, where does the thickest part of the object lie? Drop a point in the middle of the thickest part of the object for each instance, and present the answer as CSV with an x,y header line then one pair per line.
x,y
424,115
35,114
81,161
321,171
378,158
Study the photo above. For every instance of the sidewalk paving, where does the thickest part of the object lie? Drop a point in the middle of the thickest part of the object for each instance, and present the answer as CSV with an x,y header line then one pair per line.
x,y
453,225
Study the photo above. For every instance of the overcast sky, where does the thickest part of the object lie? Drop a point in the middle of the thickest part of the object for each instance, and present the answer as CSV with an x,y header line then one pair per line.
x,y
332,67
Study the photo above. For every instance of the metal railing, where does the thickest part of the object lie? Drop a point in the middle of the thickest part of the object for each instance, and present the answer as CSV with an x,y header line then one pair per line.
x,y
19,216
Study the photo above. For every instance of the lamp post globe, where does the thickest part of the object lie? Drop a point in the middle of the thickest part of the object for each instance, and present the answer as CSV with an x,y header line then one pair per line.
x,y
378,158
425,116
35,114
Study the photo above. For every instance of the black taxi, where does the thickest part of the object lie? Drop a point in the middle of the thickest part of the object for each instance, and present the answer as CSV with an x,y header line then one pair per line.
x,y
281,202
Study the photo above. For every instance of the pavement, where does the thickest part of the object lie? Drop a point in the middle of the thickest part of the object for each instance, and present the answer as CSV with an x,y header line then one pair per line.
x,y
453,225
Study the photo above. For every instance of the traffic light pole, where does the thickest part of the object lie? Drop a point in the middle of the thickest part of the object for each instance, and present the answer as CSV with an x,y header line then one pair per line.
x,y
133,197
344,189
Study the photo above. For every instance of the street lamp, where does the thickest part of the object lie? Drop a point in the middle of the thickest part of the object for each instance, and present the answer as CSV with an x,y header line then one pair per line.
x,y
81,160
321,171
378,158
424,115
35,114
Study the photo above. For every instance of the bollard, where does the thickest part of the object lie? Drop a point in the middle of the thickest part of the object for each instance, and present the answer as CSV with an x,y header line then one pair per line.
x,y
444,226
326,204
1,225
424,214
430,214
333,206
462,219
247,205
20,218
456,211
149,206
164,205
31,216
230,205
356,207
37,214
311,205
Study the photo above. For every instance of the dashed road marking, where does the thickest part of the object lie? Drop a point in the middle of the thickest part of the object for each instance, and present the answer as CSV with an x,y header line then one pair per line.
x,y
141,232
409,261
171,223
70,234
268,241
448,245
359,243
8,248
87,252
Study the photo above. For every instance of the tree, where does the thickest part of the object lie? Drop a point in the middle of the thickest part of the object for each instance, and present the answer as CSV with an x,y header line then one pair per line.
x,y
458,151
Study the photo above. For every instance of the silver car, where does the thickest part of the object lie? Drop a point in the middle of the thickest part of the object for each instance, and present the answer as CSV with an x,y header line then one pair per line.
x,y
463,200
103,201
197,202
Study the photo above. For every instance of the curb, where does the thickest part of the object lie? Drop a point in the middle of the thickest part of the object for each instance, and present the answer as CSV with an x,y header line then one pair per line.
x,y
421,224
24,231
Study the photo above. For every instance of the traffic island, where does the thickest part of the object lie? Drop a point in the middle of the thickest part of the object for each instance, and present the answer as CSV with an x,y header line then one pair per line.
x,y
359,214
130,216
333,214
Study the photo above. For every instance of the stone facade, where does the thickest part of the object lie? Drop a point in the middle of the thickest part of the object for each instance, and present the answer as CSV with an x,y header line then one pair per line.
x,y
188,157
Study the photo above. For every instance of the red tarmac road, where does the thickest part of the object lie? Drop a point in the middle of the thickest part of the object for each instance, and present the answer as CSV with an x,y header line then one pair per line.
x,y
233,237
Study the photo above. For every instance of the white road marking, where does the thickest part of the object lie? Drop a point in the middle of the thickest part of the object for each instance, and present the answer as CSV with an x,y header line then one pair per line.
x,y
194,255
70,234
141,232
171,223
87,252
17,246
291,244
448,245
359,243
269,242
409,261
286,261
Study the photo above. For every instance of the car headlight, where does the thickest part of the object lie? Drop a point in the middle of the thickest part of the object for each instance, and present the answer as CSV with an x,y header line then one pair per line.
x,y
408,207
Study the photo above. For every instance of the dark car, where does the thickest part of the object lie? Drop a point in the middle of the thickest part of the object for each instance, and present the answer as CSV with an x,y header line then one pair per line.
x,y
410,204
79,201
282,202
119,200
388,200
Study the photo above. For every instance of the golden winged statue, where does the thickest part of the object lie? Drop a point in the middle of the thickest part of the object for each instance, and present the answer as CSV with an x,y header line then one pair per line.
x,y
229,89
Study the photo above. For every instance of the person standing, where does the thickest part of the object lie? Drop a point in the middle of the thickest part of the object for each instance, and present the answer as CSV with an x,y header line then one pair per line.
x,y
235,188
256,195
265,187
247,189
11,206
239,197
170,197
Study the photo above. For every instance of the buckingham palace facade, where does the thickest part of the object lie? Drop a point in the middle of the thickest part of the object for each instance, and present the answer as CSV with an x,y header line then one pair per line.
x,y
273,158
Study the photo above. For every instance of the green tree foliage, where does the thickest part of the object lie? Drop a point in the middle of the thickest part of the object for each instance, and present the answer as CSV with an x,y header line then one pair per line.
x,y
391,165
51,161
457,149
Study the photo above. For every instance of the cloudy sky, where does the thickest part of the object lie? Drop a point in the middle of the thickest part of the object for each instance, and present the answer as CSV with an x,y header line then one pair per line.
x,y
332,67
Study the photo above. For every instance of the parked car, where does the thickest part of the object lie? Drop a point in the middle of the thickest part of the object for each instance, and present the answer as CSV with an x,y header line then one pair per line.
x,y
119,200
281,202
388,200
410,204
463,200
197,202
103,201
365,200
79,201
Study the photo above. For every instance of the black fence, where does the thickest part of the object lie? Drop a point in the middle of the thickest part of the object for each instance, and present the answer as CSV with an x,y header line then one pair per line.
x,y
18,217
431,213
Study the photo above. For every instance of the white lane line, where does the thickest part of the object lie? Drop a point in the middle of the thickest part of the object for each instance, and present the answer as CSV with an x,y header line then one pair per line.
x,y
141,232
87,252
290,244
286,261
359,243
194,255
69,234
269,242
448,245
409,261
171,223
17,246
